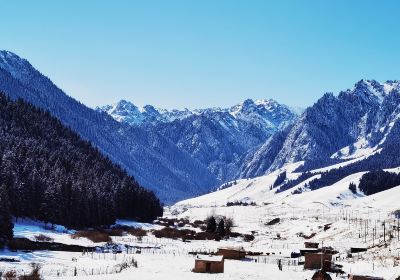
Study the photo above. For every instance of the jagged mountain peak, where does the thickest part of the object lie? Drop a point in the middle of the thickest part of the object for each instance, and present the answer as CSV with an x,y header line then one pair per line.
x,y
350,125
217,137
267,109
372,90
18,67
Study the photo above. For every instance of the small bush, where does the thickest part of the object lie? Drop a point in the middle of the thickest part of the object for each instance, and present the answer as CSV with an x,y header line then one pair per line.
x,y
10,275
138,232
43,238
116,232
396,213
229,223
240,203
248,237
235,234
197,224
95,236
174,233
207,236
353,188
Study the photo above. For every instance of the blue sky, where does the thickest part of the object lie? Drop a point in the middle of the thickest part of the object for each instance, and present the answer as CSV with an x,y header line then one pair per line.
x,y
176,54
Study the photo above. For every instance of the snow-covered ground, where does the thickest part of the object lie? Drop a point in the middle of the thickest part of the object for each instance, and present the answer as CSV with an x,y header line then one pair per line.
x,y
332,216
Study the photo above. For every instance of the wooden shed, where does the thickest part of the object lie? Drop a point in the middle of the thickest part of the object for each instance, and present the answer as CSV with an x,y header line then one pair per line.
x,y
232,253
209,264
318,261
321,275
314,245
364,277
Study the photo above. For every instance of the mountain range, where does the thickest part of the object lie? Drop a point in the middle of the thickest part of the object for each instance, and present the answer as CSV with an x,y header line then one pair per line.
x,y
184,153
154,161
218,138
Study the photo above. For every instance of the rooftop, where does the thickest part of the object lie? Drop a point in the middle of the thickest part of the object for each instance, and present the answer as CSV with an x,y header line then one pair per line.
x,y
209,258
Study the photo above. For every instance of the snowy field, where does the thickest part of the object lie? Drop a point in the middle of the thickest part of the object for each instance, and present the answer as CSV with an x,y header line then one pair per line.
x,y
332,216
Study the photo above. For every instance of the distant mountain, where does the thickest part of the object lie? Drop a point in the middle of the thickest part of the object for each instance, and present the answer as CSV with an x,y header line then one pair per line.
x,y
218,138
156,162
357,122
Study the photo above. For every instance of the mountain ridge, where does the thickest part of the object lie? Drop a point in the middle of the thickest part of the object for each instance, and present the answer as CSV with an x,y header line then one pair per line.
x,y
142,152
356,120
217,137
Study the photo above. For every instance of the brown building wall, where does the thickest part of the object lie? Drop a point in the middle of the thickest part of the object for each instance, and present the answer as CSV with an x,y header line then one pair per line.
x,y
311,245
313,261
202,266
231,254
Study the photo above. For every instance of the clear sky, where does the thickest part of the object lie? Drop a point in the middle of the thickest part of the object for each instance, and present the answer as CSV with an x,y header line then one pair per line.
x,y
176,54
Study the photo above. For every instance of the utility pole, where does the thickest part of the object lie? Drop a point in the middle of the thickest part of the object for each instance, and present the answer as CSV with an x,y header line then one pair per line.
x,y
322,255
384,232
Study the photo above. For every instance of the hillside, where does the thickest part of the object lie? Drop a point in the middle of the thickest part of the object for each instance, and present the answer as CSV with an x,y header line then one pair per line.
x,y
48,173
154,161
355,123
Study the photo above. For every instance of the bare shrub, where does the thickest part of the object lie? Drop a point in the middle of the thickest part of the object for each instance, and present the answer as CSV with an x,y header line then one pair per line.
x,y
174,233
248,237
229,224
116,232
207,236
94,235
235,234
10,275
138,232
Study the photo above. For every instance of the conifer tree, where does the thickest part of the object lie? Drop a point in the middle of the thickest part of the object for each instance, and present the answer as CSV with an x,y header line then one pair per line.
x,y
6,225
211,225
221,228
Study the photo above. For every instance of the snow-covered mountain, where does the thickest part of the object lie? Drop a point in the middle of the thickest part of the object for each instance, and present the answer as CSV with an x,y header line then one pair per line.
x,y
265,113
156,162
355,123
335,195
216,137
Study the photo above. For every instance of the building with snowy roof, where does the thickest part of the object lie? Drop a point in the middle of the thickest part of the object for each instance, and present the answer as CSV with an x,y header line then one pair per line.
x,y
209,264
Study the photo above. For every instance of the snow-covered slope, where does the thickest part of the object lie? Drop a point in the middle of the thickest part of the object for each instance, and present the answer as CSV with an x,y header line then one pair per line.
x,y
259,190
355,123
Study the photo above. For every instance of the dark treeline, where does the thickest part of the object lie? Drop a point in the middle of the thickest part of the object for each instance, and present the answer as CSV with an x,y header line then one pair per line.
x,y
291,183
378,181
388,158
47,172
280,179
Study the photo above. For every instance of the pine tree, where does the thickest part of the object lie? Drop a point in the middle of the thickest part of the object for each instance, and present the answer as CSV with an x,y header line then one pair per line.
x,y
211,225
221,228
6,225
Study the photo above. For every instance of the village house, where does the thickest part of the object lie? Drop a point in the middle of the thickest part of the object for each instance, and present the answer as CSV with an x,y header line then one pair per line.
x,y
209,264
232,253
318,261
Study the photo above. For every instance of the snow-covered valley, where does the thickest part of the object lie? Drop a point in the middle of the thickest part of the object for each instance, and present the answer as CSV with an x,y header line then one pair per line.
x,y
332,216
